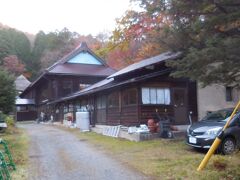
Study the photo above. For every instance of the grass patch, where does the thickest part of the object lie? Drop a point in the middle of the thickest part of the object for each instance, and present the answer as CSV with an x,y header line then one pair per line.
x,y
164,159
18,145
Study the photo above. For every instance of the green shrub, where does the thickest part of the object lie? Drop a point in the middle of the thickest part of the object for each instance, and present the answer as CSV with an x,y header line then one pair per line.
x,y
2,116
10,121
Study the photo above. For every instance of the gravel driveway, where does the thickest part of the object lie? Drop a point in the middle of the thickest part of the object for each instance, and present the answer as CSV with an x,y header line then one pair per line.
x,y
57,154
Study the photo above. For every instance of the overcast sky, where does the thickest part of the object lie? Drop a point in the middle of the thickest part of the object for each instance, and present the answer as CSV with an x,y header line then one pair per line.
x,y
83,16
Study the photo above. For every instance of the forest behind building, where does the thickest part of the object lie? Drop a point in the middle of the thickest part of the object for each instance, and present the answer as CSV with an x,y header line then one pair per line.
x,y
206,32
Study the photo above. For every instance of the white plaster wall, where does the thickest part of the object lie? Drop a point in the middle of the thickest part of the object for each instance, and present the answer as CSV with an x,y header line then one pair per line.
x,y
213,98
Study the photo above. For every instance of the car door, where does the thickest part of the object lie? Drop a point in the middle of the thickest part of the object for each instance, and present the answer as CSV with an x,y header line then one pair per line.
x,y
234,129
237,131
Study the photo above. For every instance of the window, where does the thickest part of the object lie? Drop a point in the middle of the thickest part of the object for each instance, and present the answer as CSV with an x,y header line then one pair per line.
x,y
67,87
70,107
55,88
229,96
217,115
101,102
65,109
85,58
113,100
155,95
130,97
43,91
21,108
84,105
31,108
78,106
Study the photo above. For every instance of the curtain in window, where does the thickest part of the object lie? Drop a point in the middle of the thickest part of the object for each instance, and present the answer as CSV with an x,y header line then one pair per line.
x,y
156,96
167,96
153,95
145,96
160,96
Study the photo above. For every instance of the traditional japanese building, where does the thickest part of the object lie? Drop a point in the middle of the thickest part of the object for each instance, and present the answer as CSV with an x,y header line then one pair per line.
x,y
21,83
81,81
77,70
25,108
135,94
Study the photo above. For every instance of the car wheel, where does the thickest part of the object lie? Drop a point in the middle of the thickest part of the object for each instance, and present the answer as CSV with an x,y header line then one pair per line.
x,y
228,146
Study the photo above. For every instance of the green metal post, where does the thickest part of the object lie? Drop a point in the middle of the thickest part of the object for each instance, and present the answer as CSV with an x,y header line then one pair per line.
x,y
10,162
5,175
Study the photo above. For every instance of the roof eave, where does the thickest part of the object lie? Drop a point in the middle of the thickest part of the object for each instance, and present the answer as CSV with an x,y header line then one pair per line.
x,y
71,74
105,87
174,56
33,83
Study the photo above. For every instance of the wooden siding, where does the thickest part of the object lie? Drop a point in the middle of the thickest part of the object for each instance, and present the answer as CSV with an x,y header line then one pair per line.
x,y
75,81
26,115
113,116
129,115
51,87
42,92
101,116
149,112
133,115
119,111
123,114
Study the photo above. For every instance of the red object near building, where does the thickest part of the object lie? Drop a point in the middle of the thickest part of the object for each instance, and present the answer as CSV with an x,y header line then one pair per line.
x,y
152,126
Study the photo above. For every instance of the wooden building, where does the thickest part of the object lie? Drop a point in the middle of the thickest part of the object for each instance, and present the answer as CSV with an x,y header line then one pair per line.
x,y
135,94
25,110
21,83
77,70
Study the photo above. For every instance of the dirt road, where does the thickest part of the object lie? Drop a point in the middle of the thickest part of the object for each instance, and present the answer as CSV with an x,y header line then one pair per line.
x,y
58,155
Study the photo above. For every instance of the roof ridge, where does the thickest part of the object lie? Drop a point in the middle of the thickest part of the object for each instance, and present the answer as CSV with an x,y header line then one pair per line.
x,y
22,77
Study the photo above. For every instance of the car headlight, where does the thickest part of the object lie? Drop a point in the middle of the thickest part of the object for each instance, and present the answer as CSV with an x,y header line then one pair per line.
x,y
213,131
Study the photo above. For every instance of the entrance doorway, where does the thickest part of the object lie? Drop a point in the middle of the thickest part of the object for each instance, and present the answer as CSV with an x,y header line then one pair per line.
x,y
180,106
101,109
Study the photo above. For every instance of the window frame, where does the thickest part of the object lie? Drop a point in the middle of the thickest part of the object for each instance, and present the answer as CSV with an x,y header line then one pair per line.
x,y
127,94
64,88
65,108
101,102
229,94
154,97
70,107
110,99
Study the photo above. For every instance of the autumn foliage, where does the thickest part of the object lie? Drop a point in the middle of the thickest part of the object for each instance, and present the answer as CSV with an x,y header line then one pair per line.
x,y
13,65
206,32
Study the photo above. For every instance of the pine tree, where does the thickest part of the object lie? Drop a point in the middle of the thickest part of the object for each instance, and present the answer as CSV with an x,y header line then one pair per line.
x,y
7,92
210,36
207,32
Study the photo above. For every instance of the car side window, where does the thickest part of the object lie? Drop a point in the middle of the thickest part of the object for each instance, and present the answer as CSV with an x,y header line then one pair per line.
x,y
236,120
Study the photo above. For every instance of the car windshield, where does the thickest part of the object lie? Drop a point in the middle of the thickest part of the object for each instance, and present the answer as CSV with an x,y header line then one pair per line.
x,y
218,115
237,115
